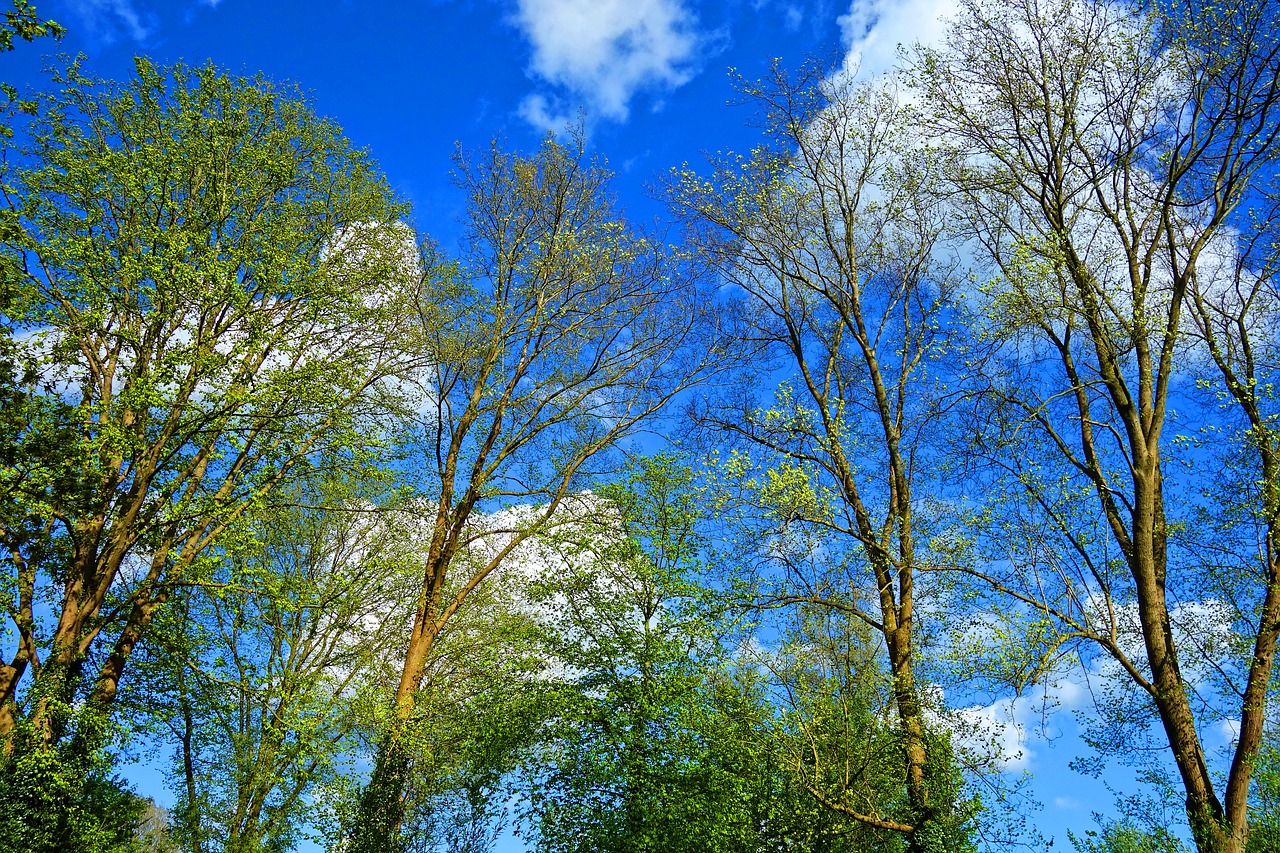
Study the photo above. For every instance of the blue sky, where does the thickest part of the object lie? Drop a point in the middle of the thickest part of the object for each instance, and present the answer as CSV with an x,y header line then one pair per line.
x,y
410,80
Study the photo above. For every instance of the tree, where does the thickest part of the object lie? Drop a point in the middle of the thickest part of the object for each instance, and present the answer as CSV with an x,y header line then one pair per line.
x,y
486,691
835,735
667,734
756,742
1125,837
832,233
22,22
1106,153
257,671
566,329
190,333
631,760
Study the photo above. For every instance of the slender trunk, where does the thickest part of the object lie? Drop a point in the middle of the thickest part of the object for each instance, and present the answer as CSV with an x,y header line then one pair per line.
x,y
1253,708
1204,810
11,674
1239,372
380,812
191,816
911,730
1147,564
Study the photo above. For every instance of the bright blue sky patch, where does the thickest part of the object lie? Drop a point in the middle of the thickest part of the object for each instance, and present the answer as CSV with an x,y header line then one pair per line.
x,y
408,80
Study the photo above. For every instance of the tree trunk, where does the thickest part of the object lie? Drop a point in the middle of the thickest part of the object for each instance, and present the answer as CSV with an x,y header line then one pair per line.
x,y
381,810
380,813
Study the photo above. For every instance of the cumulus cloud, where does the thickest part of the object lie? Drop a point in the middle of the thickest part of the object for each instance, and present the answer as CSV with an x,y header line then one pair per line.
x,y
993,735
600,53
873,30
1005,734
1002,735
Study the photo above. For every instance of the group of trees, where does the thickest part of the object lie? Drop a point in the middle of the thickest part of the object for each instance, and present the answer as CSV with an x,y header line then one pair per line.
x,y
361,533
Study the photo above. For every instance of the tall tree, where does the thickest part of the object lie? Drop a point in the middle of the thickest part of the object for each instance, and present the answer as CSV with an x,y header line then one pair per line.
x,y
629,760
1107,152
256,671
190,331
567,330
834,733
831,231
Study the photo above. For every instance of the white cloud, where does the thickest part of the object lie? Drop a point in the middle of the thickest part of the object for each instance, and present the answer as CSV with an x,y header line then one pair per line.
x,y
793,13
873,30
109,20
994,735
601,52
1002,736
536,110
1006,734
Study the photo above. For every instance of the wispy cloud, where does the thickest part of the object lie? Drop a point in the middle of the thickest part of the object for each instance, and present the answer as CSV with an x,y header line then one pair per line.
x,y
600,53
539,112
112,20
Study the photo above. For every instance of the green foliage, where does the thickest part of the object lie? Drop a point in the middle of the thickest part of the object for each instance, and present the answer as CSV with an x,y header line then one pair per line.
x,y
1099,533
483,701
64,797
486,706
675,732
568,328
187,326
21,22
1264,804
635,756
834,727
256,674
1127,837
214,326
